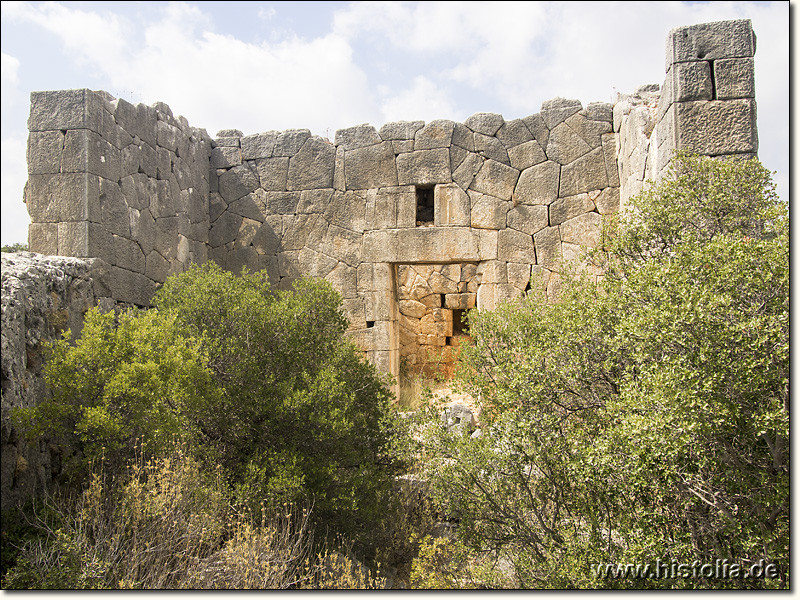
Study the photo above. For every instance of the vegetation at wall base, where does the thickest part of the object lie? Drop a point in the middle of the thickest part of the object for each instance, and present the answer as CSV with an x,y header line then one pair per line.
x,y
646,418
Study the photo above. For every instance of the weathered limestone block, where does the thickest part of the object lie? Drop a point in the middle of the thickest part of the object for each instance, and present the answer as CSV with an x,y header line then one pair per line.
x,y
526,155
370,167
420,244
565,145
127,286
353,310
451,206
314,201
536,125
568,207
424,167
717,127
281,203
249,206
467,170
548,248
289,142
538,184
272,173
689,81
267,241
242,257
463,137
86,152
583,230
260,145
584,174
609,142
442,285
44,152
607,202
519,274
157,267
312,166
557,111
436,134
348,210
487,244
495,179
43,237
488,212
143,229
139,120
357,136
589,130
462,301
128,254
492,148
485,123
65,109
163,204
344,280
515,246
457,156
85,240
400,130
513,133
600,111
528,219
63,197
413,308
710,41
237,182
343,245
224,229
734,78
114,209
224,157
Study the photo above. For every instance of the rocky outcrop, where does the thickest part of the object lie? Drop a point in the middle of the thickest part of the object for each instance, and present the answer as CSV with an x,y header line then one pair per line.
x,y
42,296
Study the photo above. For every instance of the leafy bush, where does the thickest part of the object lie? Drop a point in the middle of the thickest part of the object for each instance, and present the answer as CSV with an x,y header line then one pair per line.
x,y
645,418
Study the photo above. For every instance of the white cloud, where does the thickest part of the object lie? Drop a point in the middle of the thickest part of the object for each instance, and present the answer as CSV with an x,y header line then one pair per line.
x,y
9,67
422,100
15,219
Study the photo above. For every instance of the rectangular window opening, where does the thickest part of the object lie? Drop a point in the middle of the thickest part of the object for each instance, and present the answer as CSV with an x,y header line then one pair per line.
x,y
459,327
424,206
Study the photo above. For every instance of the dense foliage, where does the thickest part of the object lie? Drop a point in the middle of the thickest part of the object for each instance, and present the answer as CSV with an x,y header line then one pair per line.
x,y
262,383
645,418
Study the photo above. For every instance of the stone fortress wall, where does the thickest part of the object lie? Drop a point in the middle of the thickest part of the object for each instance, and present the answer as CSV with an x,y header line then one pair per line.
x,y
412,223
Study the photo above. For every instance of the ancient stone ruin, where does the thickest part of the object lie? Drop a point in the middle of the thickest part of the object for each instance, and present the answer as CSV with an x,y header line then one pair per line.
x,y
413,223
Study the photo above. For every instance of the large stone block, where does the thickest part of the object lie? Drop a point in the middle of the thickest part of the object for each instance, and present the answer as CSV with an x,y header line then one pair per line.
x,y
86,152
224,230
424,167
128,254
584,174
710,41
114,209
370,167
568,207
312,167
343,245
526,155
43,238
357,137
556,111
492,148
237,182
224,157
495,179
513,133
85,240
583,230
451,206
281,203
548,248
424,244
589,130
565,145
65,109
538,184
528,219
488,212
289,142
466,171
44,152
139,120
400,130
515,246
127,286
717,127
485,123
348,210
272,173
733,78
436,134
63,197
609,142
143,229
260,145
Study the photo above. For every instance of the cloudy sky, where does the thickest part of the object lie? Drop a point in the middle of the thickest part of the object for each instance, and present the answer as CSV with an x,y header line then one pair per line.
x,y
258,66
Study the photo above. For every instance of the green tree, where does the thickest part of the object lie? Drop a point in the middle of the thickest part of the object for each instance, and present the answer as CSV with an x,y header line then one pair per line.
x,y
645,418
